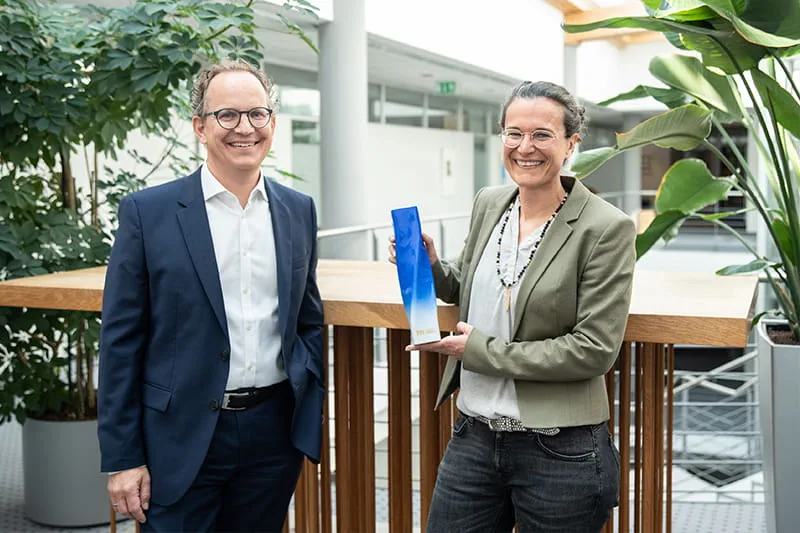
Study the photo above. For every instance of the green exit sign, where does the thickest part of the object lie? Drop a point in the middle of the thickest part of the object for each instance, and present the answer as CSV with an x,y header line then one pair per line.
x,y
447,87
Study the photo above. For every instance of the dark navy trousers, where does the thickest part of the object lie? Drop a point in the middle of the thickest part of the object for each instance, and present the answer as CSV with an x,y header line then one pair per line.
x,y
247,478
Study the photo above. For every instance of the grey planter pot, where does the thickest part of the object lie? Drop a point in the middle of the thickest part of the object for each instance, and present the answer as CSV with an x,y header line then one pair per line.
x,y
61,466
779,410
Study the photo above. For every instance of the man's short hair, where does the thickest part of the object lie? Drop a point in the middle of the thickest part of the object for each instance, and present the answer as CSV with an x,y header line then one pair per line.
x,y
198,98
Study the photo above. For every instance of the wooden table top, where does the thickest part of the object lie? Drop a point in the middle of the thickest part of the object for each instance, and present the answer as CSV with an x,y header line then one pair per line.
x,y
667,307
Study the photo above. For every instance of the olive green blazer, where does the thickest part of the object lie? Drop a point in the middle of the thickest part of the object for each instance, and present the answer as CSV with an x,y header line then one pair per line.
x,y
570,314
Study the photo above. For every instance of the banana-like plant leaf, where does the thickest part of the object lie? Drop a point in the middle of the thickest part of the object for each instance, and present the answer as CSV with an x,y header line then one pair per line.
x,y
590,160
770,23
682,128
688,11
645,23
718,49
688,75
688,186
757,265
783,235
664,225
725,214
671,98
778,100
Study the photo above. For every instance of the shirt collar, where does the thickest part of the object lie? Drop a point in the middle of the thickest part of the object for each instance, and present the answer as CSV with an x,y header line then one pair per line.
x,y
212,187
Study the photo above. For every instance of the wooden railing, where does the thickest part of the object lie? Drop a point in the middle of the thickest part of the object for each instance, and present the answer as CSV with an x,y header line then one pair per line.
x,y
667,309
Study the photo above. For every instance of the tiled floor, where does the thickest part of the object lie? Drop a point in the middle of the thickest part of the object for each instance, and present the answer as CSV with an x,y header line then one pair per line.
x,y
687,517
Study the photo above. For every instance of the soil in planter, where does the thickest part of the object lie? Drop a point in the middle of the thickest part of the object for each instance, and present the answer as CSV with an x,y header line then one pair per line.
x,y
780,334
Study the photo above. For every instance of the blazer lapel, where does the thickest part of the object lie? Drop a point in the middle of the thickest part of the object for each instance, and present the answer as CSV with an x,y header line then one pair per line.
x,y
193,220
553,241
494,210
282,235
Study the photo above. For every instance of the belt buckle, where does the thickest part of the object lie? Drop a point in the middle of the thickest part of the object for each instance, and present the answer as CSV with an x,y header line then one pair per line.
x,y
226,401
493,424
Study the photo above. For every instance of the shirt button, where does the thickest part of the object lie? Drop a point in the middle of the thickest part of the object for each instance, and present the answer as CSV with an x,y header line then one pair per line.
x,y
246,290
244,253
224,354
213,405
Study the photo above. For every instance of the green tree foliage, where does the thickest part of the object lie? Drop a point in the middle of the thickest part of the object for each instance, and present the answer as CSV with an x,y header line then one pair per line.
x,y
75,81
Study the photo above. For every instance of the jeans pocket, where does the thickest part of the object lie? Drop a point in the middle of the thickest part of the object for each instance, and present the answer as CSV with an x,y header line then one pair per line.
x,y
460,427
569,444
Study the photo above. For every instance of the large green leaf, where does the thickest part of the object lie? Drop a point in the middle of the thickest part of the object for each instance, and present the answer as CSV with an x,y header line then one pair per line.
x,y
778,100
663,225
757,265
669,97
645,23
688,186
726,49
682,128
590,160
783,235
687,74
772,23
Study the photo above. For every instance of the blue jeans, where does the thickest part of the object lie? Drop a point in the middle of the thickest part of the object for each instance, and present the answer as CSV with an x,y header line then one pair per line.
x,y
488,481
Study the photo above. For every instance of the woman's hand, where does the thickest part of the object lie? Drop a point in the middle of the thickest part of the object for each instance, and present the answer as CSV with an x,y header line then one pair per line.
x,y
452,345
427,240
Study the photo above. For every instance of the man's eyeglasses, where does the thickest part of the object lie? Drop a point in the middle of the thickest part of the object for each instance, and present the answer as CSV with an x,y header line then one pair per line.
x,y
540,138
229,118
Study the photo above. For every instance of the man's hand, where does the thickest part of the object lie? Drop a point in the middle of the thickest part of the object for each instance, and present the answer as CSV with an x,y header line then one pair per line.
x,y
129,492
452,345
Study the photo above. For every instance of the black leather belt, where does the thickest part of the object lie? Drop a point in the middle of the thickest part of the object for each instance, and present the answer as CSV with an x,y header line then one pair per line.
x,y
242,399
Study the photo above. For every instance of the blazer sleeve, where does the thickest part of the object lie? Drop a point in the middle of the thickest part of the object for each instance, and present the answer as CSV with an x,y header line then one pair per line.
x,y
590,349
123,340
447,274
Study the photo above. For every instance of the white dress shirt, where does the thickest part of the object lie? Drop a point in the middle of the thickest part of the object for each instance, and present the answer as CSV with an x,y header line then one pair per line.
x,y
244,246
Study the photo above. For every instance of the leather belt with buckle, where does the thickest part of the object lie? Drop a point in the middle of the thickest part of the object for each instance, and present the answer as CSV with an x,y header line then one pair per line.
x,y
239,400
505,423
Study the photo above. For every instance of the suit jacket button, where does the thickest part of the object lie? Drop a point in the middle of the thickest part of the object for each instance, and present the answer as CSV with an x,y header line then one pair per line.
x,y
214,405
224,354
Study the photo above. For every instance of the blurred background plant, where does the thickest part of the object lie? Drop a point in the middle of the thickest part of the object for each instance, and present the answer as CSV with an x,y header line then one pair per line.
x,y
733,69
75,83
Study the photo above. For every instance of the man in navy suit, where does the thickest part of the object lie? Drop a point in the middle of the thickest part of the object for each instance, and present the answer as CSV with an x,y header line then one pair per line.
x,y
211,373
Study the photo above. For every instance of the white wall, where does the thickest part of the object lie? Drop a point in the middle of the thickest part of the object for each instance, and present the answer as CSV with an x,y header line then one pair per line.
x,y
511,37
605,71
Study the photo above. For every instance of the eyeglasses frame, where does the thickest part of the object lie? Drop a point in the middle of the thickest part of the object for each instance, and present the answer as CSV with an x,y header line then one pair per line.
x,y
240,112
528,133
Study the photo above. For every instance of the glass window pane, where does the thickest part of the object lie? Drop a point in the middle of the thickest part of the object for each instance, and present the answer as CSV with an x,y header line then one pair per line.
x,y
374,102
297,101
475,116
442,112
403,107
305,132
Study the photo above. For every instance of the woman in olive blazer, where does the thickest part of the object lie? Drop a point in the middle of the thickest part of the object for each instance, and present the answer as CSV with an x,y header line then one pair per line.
x,y
544,286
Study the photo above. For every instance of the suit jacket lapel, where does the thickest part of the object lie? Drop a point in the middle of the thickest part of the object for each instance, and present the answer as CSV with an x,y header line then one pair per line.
x,y
494,210
282,233
553,241
193,220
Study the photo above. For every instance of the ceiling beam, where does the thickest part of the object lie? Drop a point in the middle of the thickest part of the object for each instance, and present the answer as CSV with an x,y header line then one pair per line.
x,y
571,6
614,34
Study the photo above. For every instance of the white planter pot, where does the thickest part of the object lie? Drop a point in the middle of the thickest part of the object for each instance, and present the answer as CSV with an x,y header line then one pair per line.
x,y
63,483
779,411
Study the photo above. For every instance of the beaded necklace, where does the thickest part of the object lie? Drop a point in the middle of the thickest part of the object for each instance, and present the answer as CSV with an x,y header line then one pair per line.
x,y
508,286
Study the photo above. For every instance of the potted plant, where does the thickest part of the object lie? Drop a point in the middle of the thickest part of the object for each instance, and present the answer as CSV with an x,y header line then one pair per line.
x,y
735,72
75,81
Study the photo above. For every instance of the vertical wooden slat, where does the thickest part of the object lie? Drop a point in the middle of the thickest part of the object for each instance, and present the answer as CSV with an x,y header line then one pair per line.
x,y
300,503
670,422
112,523
341,375
637,445
325,459
611,392
625,437
650,406
659,354
400,503
428,429
362,426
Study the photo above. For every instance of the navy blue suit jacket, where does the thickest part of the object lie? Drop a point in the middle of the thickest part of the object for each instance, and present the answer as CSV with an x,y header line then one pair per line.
x,y
164,340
